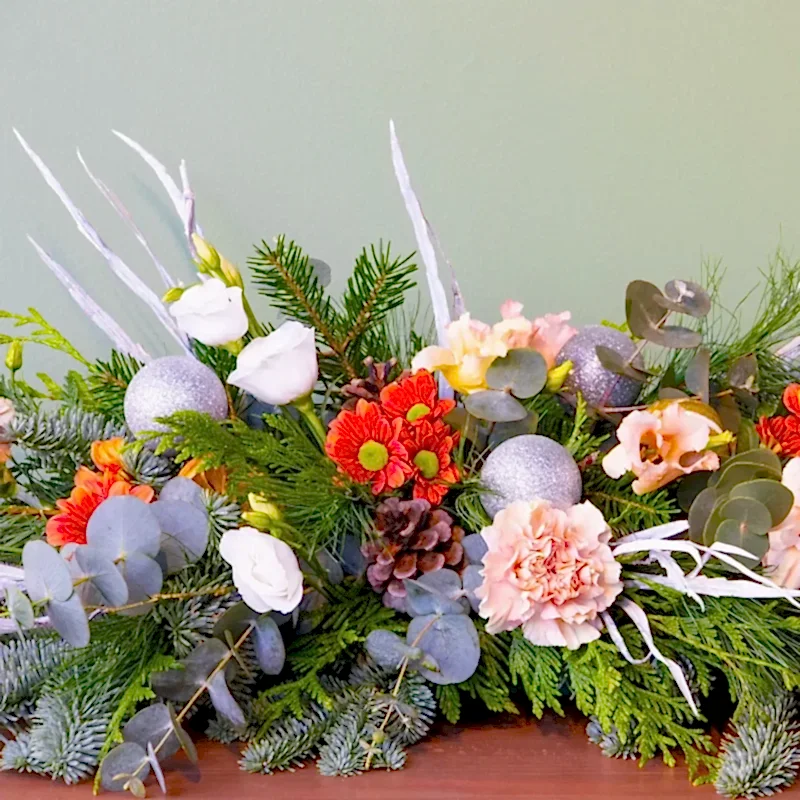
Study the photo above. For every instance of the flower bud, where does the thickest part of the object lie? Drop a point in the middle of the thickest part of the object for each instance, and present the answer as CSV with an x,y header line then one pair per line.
x,y
207,256
173,294
14,355
557,375
232,275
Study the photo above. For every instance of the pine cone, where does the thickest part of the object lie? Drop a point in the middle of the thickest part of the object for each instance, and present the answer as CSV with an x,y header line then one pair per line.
x,y
412,540
369,388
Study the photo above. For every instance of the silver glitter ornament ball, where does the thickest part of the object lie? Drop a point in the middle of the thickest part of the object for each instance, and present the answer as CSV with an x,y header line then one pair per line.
x,y
598,385
529,467
170,384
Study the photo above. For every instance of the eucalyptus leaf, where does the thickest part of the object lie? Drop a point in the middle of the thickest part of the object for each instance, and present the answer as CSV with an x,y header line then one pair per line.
x,y
149,726
184,533
502,431
69,619
472,580
774,496
152,758
698,372
523,372
187,745
752,516
46,574
352,559
20,608
180,684
678,337
120,764
700,511
690,487
747,437
236,620
475,548
123,525
437,592
268,645
102,574
223,701
184,490
388,650
494,406
743,374
452,642
332,567
687,297
321,270
732,532
613,361
143,577
643,310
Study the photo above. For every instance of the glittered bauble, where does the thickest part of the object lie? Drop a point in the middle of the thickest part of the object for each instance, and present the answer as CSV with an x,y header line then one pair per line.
x,y
598,385
530,467
171,384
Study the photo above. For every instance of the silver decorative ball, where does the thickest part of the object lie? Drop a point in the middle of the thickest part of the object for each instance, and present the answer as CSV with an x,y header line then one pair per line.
x,y
598,385
529,467
170,384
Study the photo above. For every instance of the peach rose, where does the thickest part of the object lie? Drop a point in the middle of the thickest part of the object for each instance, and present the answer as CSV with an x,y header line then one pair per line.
x,y
661,444
783,556
472,346
548,571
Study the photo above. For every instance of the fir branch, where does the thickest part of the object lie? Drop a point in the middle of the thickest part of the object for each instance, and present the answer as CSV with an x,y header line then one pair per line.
x,y
761,755
108,382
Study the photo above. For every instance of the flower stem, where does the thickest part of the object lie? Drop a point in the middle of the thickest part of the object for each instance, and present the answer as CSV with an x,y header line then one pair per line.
x,y
305,405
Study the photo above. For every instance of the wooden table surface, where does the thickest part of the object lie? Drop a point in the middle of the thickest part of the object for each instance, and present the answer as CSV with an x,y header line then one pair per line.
x,y
514,758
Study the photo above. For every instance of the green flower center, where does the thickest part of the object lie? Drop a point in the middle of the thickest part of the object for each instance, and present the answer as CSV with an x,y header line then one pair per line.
x,y
428,463
416,411
373,456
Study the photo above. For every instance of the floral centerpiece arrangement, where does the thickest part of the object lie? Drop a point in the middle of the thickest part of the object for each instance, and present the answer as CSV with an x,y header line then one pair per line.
x,y
316,537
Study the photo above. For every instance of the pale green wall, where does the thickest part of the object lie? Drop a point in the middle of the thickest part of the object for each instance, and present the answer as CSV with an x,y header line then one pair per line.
x,y
560,148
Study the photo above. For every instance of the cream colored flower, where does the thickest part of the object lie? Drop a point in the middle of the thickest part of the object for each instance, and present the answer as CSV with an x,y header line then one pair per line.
x,y
548,571
783,557
211,313
661,444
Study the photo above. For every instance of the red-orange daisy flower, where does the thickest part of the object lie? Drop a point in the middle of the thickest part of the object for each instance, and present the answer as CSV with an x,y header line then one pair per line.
x,y
429,445
365,445
782,434
91,488
414,398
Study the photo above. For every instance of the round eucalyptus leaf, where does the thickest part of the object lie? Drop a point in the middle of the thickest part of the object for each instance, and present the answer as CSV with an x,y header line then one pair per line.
x,y
472,579
774,496
102,574
351,557
180,684
494,406
732,532
332,567
619,364
643,309
20,608
700,511
697,373
143,577
387,649
46,574
752,516
475,548
687,297
155,764
187,745
743,373
523,372
149,726
69,619
502,431
236,620
184,533
678,337
120,764
268,645
223,701
437,592
123,525
452,642
185,490
321,270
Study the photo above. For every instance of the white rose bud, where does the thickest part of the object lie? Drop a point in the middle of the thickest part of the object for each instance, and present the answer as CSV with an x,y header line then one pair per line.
x,y
279,368
211,312
265,570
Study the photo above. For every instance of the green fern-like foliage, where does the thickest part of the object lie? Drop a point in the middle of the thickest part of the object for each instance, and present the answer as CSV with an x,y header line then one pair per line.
x,y
18,525
541,673
761,755
283,463
348,330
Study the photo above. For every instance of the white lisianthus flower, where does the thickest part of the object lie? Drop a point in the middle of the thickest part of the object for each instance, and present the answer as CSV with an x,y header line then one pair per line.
x,y
211,313
265,570
279,368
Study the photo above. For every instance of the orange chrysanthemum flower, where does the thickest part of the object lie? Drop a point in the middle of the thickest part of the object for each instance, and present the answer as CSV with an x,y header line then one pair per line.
x,y
782,434
107,455
415,398
429,445
365,445
214,479
91,489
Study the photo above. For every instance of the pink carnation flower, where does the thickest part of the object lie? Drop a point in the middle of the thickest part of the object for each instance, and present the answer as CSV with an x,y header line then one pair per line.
x,y
783,556
661,444
547,334
548,571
